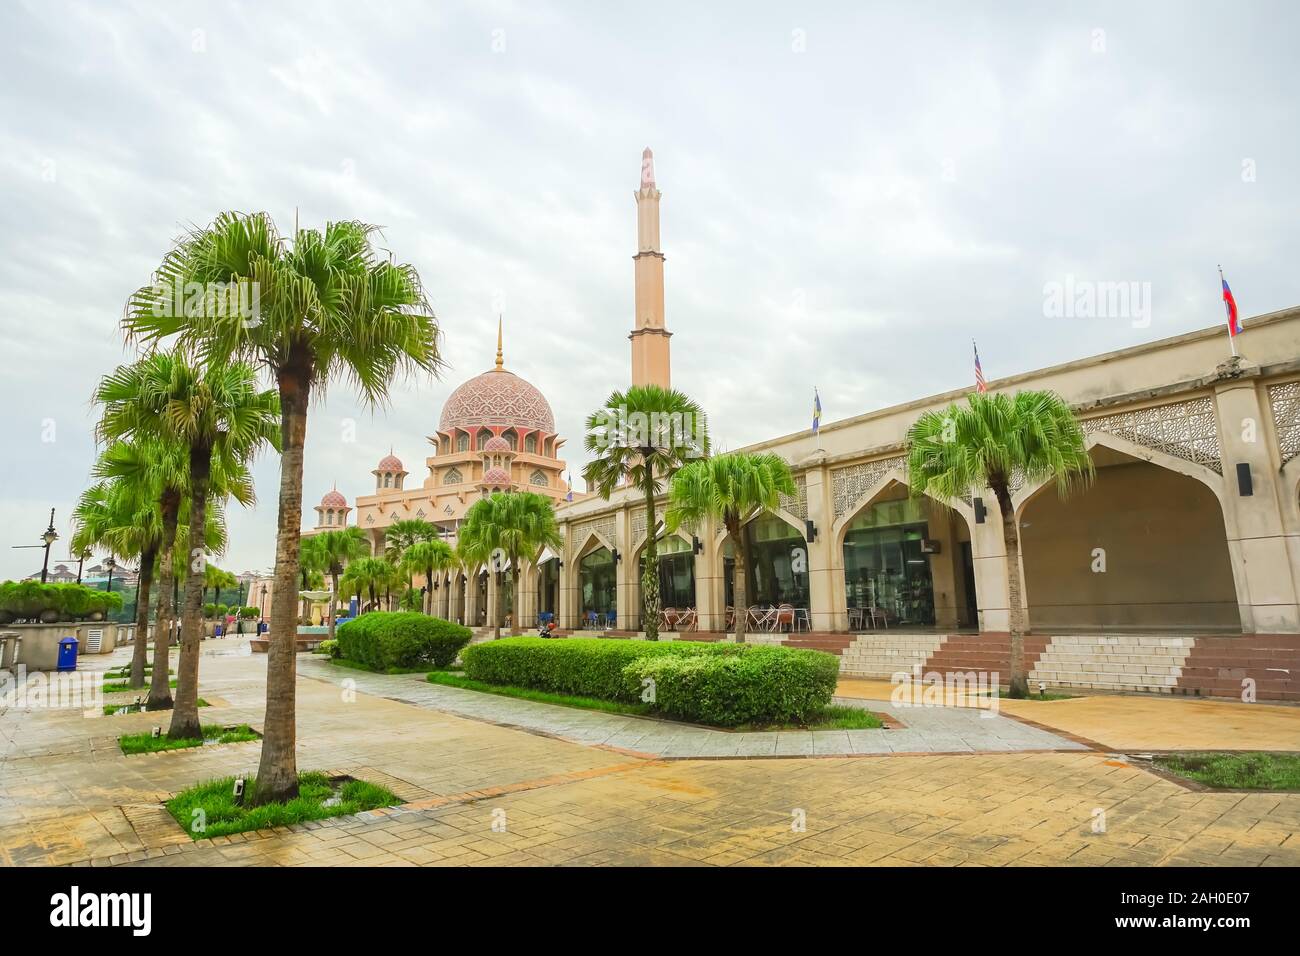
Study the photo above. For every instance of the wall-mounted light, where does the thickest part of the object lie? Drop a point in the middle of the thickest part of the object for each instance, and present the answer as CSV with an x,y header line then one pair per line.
x,y
559,564
979,510
617,557
697,546
810,530
1244,483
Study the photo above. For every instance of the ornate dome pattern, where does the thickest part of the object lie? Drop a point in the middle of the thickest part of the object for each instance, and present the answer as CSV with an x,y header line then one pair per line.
x,y
390,463
496,476
333,499
496,443
497,398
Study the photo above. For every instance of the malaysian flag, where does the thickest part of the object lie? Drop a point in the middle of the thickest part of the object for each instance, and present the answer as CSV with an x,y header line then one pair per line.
x,y
817,412
1230,304
569,496
980,384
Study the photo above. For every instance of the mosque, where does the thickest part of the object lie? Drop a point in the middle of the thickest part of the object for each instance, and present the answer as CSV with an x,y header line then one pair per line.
x,y
1195,508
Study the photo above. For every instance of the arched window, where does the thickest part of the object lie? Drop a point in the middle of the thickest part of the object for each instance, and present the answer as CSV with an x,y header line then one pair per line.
x,y
388,479
530,444
482,438
462,442
538,477
513,438
446,445
452,477
329,516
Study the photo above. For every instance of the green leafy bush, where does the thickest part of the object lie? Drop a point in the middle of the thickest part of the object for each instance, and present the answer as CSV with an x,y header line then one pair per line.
x,y
389,639
591,667
328,647
28,600
763,685
248,613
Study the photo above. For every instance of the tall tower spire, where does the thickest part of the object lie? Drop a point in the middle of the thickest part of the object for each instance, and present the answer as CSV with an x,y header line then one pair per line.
x,y
500,361
651,362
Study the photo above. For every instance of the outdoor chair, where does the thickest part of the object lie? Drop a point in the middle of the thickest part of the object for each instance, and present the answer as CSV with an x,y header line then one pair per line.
x,y
783,617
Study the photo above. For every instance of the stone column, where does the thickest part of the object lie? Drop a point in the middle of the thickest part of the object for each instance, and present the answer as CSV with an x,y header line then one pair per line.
x,y
625,574
1257,545
989,556
827,612
708,595
471,598
943,574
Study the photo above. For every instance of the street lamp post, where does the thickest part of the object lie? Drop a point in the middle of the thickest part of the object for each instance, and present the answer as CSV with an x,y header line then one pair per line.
x,y
49,538
261,608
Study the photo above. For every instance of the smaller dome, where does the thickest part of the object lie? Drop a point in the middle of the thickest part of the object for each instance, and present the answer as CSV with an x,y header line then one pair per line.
x,y
333,499
390,463
496,476
496,443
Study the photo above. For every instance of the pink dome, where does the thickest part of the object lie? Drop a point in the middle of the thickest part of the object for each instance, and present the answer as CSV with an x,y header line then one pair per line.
x,y
333,499
496,443
390,463
497,398
496,476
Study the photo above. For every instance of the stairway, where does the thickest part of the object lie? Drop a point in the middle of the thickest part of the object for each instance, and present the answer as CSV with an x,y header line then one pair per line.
x,y
1217,666
987,653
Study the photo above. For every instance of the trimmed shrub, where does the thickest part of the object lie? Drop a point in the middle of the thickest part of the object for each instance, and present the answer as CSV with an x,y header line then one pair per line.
x,y
590,667
763,685
388,639
328,647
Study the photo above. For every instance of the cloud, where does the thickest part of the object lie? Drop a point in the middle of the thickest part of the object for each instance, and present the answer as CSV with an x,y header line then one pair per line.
x,y
849,216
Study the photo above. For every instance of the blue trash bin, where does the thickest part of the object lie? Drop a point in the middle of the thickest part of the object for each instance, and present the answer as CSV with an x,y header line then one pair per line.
x,y
263,627
217,630
67,654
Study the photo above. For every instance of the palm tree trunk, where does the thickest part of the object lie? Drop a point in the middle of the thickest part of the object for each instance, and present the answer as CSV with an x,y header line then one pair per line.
x,y
334,599
1018,684
277,774
139,653
738,579
160,695
514,593
495,604
650,602
428,590
185,716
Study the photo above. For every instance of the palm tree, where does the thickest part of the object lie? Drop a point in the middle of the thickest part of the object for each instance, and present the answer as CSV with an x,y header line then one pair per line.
x,y
217,413
513,526
327,306
729,489
215,578
122,517
339,548
985,444
643,436
311,573
427,557
160,466
374,576
400,535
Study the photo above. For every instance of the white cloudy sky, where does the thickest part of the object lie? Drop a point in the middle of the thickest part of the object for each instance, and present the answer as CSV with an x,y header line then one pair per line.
x,y
851,193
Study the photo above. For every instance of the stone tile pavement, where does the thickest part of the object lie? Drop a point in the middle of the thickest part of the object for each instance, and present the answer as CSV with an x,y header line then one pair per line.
x,y
483,794
925,730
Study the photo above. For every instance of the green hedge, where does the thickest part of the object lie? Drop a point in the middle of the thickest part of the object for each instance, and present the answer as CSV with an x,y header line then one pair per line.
x,y
387,639
591,667
723,684
29,599
764,685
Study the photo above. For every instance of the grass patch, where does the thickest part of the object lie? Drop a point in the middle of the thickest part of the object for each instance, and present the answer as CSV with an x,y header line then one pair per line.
x,y
358,666
124,672
1249,771
319,797
111,709
123,687
454,679
212,733
831,717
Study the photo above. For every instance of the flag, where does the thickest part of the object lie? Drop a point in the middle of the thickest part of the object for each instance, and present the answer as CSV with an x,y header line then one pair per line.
x,y
1230,304
980,384
569,496
817,412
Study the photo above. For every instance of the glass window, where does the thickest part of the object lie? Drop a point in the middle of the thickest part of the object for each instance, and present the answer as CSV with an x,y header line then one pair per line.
x,y
462,442
538,478
452,477
778,565
883,564
530,444
597,580
676,572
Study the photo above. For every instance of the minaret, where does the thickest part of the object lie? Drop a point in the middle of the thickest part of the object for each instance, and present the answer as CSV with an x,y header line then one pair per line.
x,y
651,363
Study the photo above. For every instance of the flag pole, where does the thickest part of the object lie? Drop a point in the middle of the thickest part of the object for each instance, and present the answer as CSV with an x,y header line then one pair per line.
x,y
1232,339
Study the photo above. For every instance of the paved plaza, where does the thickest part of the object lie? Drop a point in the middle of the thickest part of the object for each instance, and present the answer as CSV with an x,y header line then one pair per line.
x,y
489,780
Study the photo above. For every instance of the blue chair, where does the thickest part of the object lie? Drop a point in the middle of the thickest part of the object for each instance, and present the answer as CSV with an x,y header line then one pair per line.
x,y
611,619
